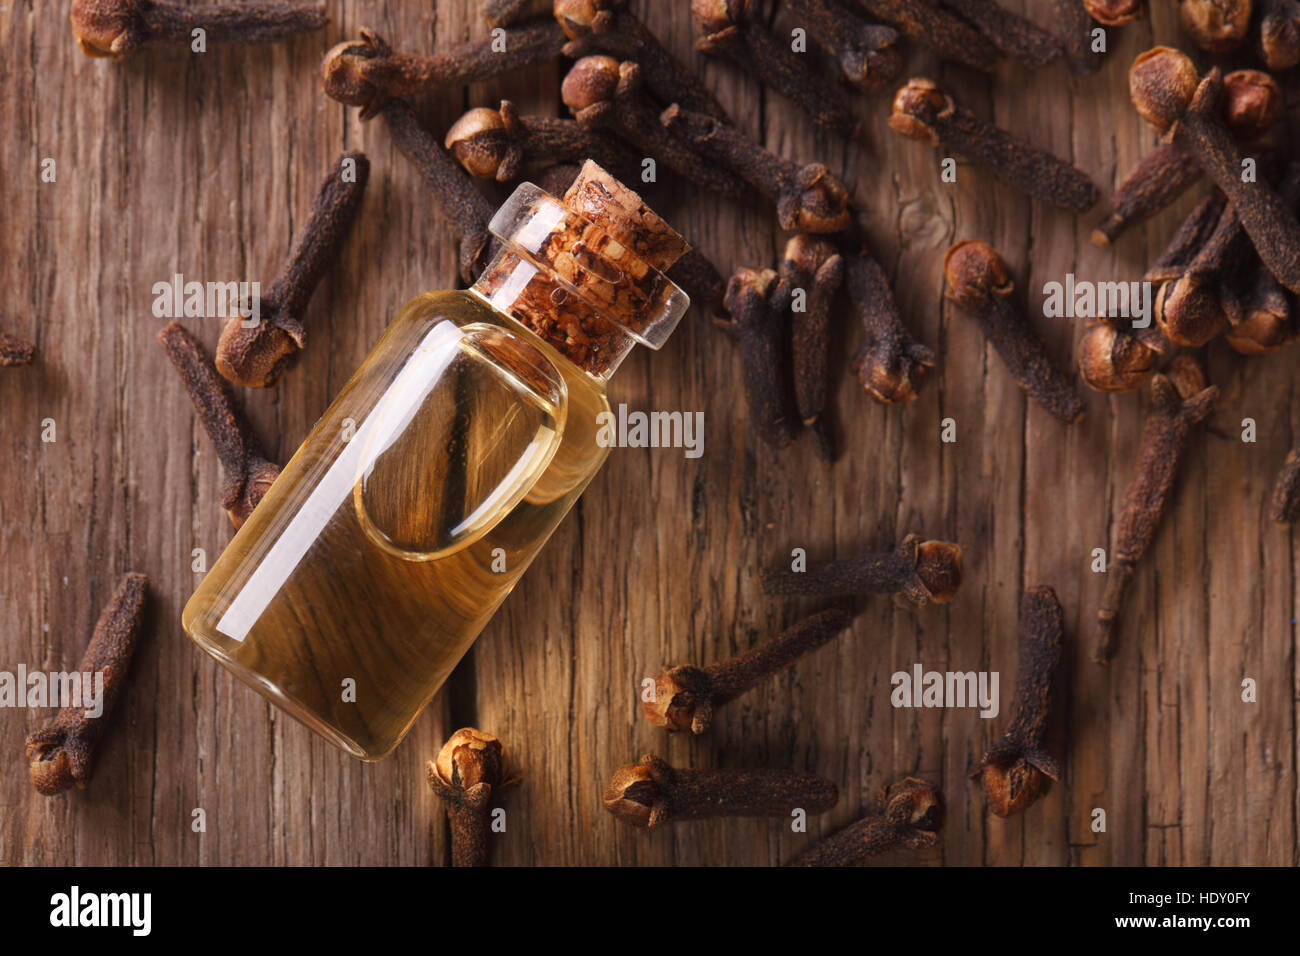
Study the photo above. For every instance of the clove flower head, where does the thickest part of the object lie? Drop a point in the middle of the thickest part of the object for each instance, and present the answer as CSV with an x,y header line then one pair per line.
x,y
1112,359
1252,102
1113,13
1216,25
470,757
479,142
344,75
1161,83
590,81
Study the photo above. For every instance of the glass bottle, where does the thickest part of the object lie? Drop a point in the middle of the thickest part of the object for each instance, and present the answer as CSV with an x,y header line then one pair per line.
x,y
437,474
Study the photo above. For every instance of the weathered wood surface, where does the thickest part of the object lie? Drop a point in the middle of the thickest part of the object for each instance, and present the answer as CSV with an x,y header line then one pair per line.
x,y
205,165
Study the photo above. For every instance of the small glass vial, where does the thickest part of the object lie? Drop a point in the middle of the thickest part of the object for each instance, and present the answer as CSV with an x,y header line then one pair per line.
x,y
432,481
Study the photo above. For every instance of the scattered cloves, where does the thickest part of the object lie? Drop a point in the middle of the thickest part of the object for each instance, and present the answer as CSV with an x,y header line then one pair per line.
x,y
814,265
867,53
605,94
495,144
731,28
686,696
606,27
917,572
931,26
1252,103
1285,507
891,365
757,303
1009,32
246,474
15,351
649,793
453,191
367,73
117,28
909,816
470,766
1165,90
1018,770
1215,25
62,754
1076,26
256,356
1179,401
978,282
924,112
809,198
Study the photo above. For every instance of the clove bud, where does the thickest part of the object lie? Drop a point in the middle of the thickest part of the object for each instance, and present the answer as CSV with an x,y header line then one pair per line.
x,y
908,816
917,572
118,28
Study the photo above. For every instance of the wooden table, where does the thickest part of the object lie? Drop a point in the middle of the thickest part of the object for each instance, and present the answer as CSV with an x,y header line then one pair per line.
x,y
205,165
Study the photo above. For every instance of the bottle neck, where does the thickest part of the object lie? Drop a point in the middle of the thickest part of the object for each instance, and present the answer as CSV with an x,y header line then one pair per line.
x,y
535,297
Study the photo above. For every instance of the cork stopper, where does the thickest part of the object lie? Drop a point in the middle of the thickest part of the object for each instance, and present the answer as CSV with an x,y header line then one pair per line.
x,y
586,273
609,205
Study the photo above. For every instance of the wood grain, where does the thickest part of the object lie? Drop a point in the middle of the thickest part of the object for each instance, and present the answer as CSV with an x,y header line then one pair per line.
x,y
205,165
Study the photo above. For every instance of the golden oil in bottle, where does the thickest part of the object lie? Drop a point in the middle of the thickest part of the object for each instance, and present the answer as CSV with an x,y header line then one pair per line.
x,y
442,467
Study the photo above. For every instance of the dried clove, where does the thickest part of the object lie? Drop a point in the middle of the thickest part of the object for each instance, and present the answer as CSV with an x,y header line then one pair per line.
x,y
606,27
1162,175
1279,33
1189,238
917,572
246,474
453,191
470,766
649,793
256,356
1189,308
1252,103
117,28
809,198
1018,770
1215,25
1114,357
867,53
1113,13
605,94
495,144
924,112
731,28
891,365
685,697
814,265
1076,34
978,282
1260,318
757,303
504,13
367,73
1165,90
1179,401
15,351
931,26
1286,493
1009,32
62,754
908,816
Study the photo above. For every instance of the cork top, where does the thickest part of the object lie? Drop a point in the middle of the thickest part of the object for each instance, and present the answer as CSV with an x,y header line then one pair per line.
x,y
609,205
586,273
